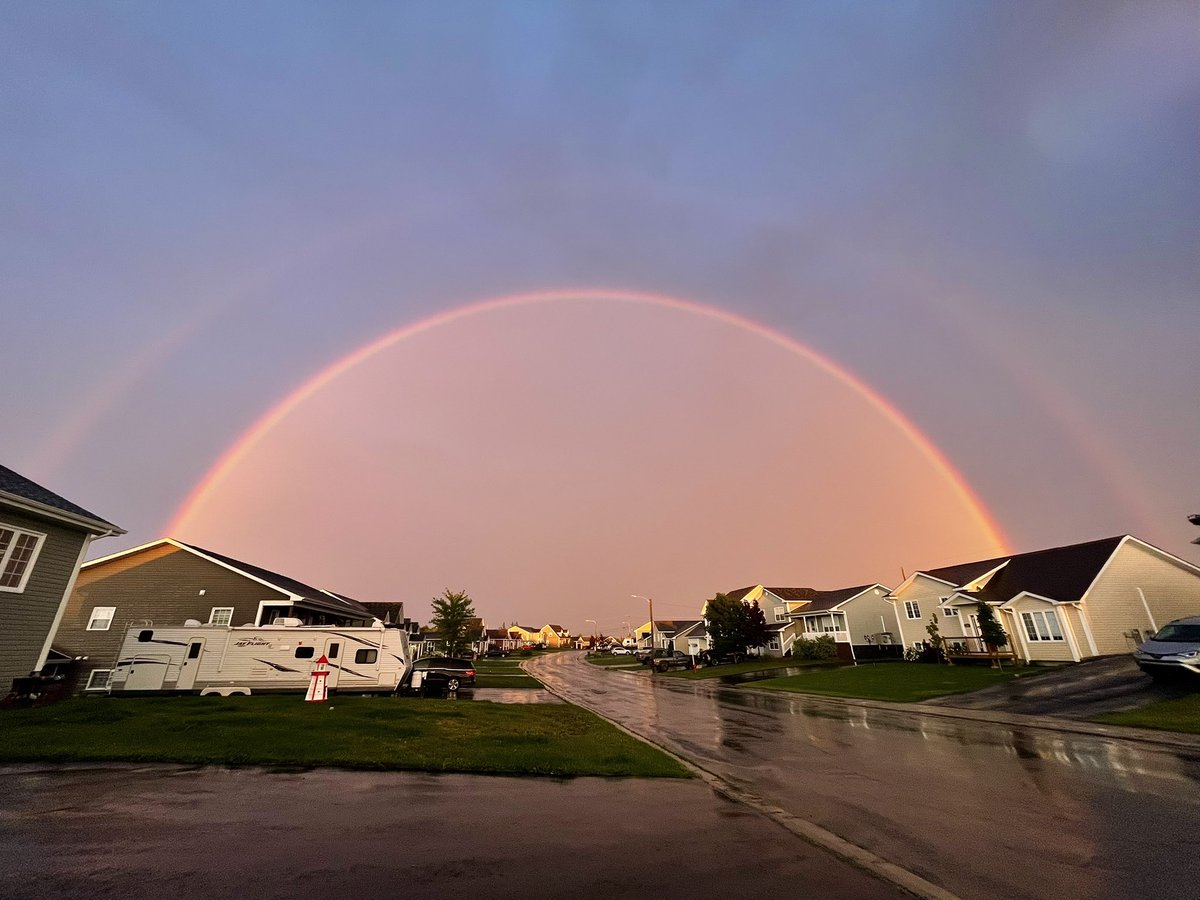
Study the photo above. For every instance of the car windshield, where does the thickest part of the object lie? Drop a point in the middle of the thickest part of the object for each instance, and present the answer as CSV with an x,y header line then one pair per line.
x,y
1179,633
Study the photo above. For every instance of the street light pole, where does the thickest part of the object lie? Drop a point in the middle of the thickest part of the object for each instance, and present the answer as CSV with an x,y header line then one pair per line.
x,y
651,602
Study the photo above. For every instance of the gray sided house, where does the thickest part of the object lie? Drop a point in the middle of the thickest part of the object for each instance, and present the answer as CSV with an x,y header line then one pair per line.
x,y
43,540
167,583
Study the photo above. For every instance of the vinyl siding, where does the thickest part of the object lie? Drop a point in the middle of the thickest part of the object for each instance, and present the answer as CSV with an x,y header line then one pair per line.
x,y
160,585
27,617
928,593
1114,607
863,614
1045,651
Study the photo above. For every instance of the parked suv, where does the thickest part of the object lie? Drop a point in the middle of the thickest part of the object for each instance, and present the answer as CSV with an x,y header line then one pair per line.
x,y
1175,650
435,674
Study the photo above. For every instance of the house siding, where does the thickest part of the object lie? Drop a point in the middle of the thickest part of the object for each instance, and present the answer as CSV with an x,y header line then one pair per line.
x,y
27,617
160,585
1046,651
1115,608
864,611
927,592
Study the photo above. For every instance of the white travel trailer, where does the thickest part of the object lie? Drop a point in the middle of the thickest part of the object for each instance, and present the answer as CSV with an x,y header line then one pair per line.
x,y
220,659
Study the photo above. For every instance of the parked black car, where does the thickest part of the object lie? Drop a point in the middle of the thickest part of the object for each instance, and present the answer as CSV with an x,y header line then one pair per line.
x,y
496,651
438,674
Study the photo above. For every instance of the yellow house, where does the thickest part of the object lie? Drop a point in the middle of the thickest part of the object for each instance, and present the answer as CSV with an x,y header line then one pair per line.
x,y
524,635
554,636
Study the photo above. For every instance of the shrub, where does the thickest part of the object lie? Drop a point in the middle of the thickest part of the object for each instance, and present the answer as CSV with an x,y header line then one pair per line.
x,y
823,647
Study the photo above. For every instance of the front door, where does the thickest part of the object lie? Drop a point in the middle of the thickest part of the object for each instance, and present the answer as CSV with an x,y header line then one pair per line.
x,y
333,653
191,664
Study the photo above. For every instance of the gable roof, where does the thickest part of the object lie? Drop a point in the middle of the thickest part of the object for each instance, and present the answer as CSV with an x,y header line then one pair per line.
x,y
740,593
297,590
1057,573
825,600
794,594
23,492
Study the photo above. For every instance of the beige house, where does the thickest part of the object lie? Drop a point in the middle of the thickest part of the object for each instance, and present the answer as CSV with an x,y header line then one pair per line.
x,y
855,616
1063,604
554,636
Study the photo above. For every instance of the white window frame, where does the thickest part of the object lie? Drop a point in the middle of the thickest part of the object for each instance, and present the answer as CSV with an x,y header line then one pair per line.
x,y
91,683
912,609
1040,626
950,611
6,556
781,613
93,618
773,642
216,609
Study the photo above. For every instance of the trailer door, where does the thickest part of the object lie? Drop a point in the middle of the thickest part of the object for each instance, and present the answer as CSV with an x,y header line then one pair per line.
x,y
191,664
146,672
333,652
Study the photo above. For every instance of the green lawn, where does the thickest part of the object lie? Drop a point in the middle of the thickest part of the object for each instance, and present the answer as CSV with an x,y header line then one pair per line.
x,y
346,732
754,665
515,680
606,660
1166,715
897,681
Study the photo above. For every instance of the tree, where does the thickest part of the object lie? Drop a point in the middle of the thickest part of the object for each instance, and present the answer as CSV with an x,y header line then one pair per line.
x,y
757,634
990,630
727,621
450,614
936,641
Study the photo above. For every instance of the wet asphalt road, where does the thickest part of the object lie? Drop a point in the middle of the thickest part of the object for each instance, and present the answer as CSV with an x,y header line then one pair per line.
x,y
132,832
984,810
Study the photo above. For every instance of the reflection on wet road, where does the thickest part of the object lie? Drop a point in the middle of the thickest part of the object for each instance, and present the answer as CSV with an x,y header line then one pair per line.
x,y
982,809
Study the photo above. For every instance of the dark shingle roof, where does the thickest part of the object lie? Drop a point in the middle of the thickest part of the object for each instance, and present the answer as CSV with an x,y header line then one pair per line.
x,y
740,592
20,486
829,599
289,585
1059,573
794,594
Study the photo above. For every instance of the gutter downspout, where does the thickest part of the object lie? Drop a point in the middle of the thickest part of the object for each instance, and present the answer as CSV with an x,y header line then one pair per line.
x,y
1146,606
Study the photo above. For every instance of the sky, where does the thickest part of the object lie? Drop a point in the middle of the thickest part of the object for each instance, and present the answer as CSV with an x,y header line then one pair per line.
x,y
827,291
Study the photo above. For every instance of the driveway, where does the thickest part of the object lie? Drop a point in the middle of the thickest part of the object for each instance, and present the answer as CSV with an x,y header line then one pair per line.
x,y
1081,691
979,808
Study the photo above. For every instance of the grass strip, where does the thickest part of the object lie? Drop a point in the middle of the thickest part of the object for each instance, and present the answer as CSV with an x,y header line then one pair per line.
x,y
896,681
516,680
1182,714
613,661
745,668
347,732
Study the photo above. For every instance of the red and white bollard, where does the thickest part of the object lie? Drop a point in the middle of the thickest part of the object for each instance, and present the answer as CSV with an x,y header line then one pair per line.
x,y
318,690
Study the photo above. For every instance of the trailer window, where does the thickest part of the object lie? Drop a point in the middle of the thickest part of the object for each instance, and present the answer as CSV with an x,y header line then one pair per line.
x,y
145,636
332,652
194,650
305,652
366,657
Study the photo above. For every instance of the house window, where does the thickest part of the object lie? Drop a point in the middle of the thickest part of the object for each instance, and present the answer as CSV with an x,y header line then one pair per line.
x,y
98,680
951,612
780,613
101,619
912,609
365,657
1042,626
220,615
17,551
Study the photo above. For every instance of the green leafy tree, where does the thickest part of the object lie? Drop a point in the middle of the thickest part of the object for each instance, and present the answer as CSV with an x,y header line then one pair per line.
x,y
757,634
936,641
990,629
727,621
451,611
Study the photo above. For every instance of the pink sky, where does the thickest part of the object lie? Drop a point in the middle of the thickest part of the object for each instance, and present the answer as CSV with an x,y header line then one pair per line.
x,y
554,459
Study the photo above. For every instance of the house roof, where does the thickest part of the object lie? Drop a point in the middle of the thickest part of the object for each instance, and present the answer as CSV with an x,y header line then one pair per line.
x,y
14,486
825,600
794,594
557,628
339,602
740,593
674,625
497,633
1058,573
522,628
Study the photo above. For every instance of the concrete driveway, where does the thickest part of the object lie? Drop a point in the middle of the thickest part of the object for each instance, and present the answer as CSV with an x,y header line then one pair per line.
x,y
1081,691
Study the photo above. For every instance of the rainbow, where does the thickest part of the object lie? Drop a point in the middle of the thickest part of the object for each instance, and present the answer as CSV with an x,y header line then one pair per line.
x,y
230,459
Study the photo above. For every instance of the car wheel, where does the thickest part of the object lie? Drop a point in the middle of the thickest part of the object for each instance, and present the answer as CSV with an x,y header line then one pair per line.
x,y
452,684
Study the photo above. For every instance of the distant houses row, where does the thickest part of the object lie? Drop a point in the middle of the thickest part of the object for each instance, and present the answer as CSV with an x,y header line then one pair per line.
x,y
59,615
1063,604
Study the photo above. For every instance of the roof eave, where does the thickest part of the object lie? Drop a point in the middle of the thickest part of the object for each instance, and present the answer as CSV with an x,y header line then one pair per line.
x,y
98,527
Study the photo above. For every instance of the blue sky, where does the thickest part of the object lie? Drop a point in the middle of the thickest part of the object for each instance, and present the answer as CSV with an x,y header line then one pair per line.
x,y
988,211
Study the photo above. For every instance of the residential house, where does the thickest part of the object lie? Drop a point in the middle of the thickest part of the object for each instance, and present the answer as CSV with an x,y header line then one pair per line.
x,y
522,634
43,541
692,640
1058,605
553,636
666,632
168,582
